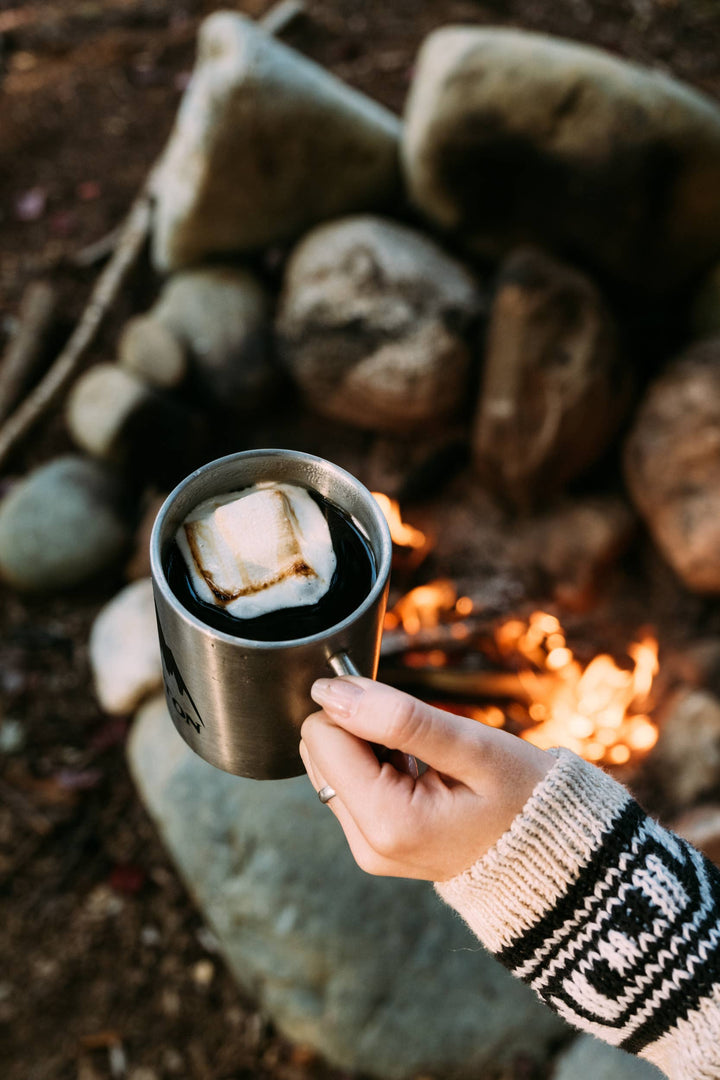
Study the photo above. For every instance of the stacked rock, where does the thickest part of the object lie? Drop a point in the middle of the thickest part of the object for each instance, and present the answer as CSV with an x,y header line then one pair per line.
x,y
509,139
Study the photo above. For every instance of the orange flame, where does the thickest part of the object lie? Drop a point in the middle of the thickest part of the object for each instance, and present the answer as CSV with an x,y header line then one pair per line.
x,y
402,534
427,606
597,710
424,607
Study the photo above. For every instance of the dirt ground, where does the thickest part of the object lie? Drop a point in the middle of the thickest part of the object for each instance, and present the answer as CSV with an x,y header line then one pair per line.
x,y
105,968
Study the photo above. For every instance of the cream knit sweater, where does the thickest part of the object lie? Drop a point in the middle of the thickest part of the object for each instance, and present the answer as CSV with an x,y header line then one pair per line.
x,y
611,919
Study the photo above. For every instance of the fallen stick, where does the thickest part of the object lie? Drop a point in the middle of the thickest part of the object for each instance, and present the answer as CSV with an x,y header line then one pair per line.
x,y
468,684
450,637
280,16
19,362
98,250
66,366
131,239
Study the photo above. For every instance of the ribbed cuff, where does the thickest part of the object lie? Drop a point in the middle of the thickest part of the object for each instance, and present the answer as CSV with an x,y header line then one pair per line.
x,y
540,856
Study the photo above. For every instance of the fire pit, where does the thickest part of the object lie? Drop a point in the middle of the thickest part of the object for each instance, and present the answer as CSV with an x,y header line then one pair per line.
x,y
598,709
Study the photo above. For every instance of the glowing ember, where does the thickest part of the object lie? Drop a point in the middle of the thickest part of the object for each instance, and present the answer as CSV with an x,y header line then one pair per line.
x,y
597,711
402,534
427,606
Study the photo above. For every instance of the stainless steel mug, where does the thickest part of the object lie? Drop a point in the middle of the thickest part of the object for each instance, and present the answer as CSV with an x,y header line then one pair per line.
x,y
240,703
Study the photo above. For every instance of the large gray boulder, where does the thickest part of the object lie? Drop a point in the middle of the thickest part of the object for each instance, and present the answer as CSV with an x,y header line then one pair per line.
x,y
672,465
266,143
373,322
61,525
595,1060
513,136
373,973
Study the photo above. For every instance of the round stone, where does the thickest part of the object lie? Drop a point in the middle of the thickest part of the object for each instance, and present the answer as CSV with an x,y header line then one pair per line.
x,y
512,136
61,525
151,351
124,650
220,316
374,323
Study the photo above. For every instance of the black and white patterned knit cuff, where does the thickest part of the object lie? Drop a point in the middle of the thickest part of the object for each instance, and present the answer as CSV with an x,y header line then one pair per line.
x,y
611,919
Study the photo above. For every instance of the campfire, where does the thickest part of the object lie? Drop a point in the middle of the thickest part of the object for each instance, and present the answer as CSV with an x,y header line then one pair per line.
x,y
600,709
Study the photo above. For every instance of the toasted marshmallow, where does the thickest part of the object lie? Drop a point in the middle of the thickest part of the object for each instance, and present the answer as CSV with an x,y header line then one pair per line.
x,y
259,550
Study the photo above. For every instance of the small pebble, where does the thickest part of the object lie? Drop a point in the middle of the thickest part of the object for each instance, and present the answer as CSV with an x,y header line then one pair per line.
x,y
172,1061
150,935
117,1060
203,973
12,736
103,902
31,204
45,968
170,1002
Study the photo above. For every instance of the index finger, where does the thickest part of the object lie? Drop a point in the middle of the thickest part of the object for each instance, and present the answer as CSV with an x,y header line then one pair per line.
x,y
453,745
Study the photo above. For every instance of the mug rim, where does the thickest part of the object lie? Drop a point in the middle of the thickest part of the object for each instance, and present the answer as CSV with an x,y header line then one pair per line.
x,y
383,556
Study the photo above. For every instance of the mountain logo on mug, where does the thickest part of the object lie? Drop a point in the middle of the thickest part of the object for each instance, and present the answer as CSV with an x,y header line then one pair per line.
x,y
172,672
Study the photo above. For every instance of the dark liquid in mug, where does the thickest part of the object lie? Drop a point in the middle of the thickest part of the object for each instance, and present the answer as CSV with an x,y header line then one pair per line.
x,y
353,579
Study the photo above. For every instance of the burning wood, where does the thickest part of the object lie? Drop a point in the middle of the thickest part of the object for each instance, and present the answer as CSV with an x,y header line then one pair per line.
x,y
410,545
402,534
599,710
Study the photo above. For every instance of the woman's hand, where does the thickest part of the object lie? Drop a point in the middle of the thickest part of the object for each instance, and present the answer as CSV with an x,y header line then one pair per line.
x,y
433,827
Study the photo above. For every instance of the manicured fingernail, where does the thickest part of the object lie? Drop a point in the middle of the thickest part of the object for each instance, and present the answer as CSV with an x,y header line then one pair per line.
x,y
338,696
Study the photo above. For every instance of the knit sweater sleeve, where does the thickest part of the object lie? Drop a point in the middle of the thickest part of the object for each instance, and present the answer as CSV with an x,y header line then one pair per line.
x,y
611,919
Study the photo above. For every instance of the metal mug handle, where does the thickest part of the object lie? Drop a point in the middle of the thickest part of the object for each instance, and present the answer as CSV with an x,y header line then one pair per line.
x,y
341,664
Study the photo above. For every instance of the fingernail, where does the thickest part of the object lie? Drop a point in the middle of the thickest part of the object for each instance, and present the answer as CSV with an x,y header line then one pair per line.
x,y
337,696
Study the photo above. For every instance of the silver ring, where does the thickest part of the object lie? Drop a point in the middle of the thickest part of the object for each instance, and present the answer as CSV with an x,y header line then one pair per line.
x,y
325,794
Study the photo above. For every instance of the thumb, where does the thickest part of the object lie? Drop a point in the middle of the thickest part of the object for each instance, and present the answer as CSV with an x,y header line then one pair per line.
x,y
378,713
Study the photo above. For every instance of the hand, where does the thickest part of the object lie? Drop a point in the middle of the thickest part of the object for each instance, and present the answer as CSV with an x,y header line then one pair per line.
x,y
432,827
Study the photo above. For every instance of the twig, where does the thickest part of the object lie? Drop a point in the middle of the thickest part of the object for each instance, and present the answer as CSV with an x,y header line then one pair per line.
x,y
37,310
108,285
450,637
281,15
468,684
98,250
